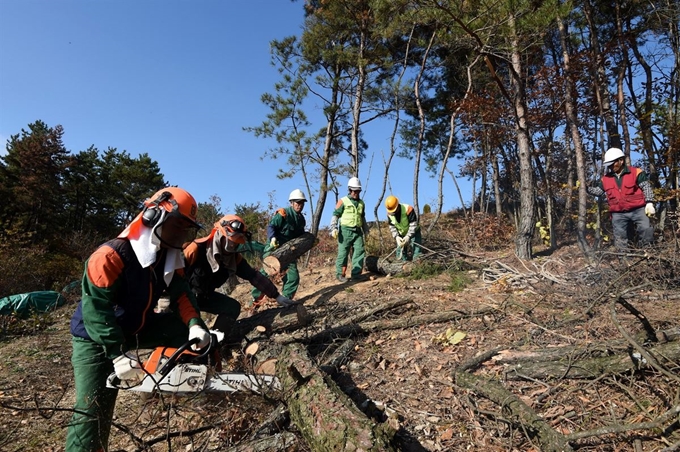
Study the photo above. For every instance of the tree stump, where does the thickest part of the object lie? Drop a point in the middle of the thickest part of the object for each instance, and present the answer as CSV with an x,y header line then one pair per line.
x,y
287,253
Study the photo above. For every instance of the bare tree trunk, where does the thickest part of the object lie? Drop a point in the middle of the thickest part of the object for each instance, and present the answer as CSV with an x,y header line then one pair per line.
x,y
421,116
572,124
324,160
395,129
645,113
445,159
599,81
496,178
526,220
358,101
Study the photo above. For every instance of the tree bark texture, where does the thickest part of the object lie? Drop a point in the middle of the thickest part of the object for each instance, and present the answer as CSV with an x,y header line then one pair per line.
x,y
589,368
521,413
327,419
274,320
385,267
287,253
279,442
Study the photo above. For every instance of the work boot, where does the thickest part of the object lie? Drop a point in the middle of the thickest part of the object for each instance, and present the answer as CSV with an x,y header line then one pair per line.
x,y
341,278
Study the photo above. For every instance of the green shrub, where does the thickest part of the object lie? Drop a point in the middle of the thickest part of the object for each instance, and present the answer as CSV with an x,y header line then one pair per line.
x,y
424,270
459,281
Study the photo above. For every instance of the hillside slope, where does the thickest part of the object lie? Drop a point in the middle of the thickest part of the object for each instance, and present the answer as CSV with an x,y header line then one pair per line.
x,y
407,373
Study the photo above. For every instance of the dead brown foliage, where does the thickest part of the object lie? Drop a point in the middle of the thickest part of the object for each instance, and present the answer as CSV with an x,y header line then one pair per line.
x,y
409,374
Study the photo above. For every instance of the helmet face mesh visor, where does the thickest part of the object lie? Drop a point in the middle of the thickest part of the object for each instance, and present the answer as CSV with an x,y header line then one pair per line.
x,y
234,226
236,234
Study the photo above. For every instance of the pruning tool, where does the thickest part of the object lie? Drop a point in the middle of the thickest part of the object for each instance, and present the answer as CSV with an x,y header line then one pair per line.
x,y
180,370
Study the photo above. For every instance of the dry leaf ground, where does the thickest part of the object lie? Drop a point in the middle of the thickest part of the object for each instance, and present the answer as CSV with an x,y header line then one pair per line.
x,y
404,374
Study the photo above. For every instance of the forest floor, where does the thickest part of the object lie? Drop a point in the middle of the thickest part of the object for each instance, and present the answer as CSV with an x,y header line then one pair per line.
x,y
557,301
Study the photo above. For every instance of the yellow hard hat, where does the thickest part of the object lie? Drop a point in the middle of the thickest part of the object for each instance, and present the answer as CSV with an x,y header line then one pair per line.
x,y
391,204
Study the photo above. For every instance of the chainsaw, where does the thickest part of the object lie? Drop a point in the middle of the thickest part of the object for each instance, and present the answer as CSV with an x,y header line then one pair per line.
x,y
183,371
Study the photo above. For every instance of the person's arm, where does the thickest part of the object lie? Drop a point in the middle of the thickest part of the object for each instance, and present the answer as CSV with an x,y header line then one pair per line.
x,y
412,222
100,289
337,213
257,279
645,185
393,229
275,225
596,190
187,306
364,223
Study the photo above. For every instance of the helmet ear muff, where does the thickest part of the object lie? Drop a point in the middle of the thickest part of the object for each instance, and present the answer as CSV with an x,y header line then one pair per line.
x,y
152,212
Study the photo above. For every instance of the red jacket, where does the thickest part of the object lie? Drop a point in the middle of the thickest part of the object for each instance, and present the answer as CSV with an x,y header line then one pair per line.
x,y
625,196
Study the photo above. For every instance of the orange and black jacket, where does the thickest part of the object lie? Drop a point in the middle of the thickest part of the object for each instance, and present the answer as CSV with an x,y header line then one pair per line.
x,y
204,281
119,297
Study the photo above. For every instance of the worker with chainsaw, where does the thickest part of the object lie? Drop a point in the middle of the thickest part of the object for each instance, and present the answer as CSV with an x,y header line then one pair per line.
x,y
288,223
404,227
349,227
123,280
630,197
211,260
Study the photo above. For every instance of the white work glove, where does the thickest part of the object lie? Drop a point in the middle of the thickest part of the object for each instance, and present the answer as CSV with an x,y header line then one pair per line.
x,y
284,301
128,368
405,240
650,211
203,336
400,244
334,233
273,244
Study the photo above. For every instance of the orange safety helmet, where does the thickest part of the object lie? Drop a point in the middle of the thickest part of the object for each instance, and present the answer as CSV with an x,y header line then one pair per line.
x,y
391,204
234,229
176,201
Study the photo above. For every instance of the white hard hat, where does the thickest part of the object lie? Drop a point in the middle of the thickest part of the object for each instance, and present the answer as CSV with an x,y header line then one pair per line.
x,y
612,155
297,195
354,184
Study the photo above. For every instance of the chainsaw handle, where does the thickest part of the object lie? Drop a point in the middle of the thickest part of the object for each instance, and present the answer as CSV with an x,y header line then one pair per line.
x,y
172,361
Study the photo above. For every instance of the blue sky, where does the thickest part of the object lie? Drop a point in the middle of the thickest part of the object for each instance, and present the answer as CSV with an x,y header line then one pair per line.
x,y
175,79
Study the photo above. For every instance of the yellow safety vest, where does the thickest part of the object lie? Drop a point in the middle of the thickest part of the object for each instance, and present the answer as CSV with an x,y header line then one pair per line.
x,y
351,214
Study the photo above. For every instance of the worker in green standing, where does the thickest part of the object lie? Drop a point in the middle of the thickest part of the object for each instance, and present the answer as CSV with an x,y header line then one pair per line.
x,y
287,224
349,227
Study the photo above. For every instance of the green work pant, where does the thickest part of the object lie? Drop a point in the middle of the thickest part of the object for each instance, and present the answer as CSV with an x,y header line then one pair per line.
x,y
219,303
290,280
91,421
93,411
226,308
412,248
350,238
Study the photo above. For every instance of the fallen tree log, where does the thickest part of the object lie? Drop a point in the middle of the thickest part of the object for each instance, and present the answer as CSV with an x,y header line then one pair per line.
x,y
579,352
338,357
521,414
325,416
274,320
279,442
287,253
345,331
592,367
385,267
